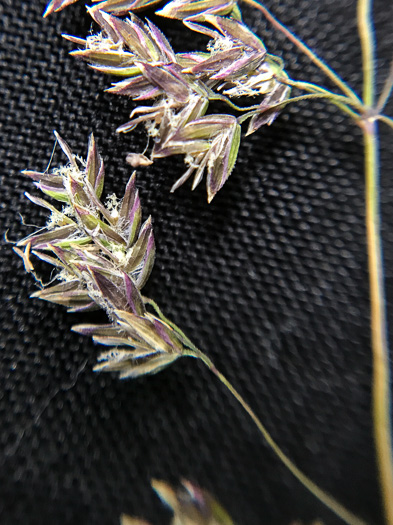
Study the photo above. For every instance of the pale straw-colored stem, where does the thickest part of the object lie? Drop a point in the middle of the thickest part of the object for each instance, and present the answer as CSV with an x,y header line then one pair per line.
x,y
381,379
366,33
386,120
386,91
324,497
337,100
342,102
320,494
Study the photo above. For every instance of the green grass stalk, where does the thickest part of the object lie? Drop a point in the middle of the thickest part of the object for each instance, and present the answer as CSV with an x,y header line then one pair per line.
x,y
381,379
325,498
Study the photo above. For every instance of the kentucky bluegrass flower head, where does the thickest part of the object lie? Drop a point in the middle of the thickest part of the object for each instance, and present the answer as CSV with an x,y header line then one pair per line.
x,y
103,257
108,236
234,65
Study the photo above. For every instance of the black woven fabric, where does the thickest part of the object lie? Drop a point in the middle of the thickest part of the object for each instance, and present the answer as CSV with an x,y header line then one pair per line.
x,y
270,280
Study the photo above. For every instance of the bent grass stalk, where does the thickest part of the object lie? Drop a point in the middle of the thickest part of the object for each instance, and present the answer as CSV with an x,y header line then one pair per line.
x,y
387,90
337,100
342,102
328,500
323,496
386,120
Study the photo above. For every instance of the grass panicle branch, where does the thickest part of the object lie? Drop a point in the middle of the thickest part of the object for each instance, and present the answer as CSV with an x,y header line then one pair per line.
x,y
381,377
234,65
103,255
386,92
329,72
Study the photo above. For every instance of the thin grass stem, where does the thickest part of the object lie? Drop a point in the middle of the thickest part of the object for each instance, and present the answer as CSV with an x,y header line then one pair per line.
x,y
337,100
231,104
329,72
330,97
321,495
367,41
160,314
381,379
387,90
315,88
386,120
325,498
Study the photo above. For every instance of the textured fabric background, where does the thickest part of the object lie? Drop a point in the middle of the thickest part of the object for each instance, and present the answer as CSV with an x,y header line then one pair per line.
x,y
270,280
